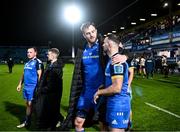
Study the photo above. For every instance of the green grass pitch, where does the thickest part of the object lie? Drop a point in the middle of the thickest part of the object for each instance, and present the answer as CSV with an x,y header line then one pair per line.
x,y
163,93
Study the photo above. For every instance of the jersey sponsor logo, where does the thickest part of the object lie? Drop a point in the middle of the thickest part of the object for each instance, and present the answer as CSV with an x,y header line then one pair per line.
x,y
114,122
28,68
118,69
88,57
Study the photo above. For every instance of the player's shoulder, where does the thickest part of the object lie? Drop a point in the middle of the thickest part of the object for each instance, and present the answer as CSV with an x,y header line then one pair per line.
x,y
119,67
125,64
38,60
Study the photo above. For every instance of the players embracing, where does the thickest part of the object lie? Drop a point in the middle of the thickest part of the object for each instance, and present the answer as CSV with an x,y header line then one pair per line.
x,y
116,88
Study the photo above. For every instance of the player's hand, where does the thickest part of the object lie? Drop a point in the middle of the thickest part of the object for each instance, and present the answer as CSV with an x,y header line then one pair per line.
x,y
119,59
18,88
96,96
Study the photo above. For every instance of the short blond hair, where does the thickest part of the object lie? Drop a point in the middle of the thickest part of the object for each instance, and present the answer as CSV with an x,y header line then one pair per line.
x,y
86,25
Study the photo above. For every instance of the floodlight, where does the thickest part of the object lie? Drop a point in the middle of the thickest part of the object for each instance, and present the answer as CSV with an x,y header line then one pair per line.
x,y
72,14
133,23
142,19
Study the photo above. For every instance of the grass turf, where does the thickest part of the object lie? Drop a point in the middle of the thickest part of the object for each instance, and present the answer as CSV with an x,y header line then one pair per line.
x,y
159,91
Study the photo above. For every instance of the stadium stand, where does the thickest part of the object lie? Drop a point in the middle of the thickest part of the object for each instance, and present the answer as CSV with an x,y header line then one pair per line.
x,y
18,53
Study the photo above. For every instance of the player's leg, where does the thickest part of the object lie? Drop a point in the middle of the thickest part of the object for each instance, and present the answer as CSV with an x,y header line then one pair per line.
x,y
28,97
147,74
80,115
144,71
79,124
103,125
117,130
28,112
152,74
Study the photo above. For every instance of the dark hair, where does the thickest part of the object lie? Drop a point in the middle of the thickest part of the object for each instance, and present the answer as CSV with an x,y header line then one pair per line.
x,y
86,25
54,50
35,49
114,38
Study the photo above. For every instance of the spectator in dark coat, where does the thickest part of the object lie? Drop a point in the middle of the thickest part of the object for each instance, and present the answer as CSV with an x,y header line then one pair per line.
x,y
149,65
10,64
49,93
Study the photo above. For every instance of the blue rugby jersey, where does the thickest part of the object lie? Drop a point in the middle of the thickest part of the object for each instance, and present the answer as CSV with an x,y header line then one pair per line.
x,y
92,70
30,72
117,101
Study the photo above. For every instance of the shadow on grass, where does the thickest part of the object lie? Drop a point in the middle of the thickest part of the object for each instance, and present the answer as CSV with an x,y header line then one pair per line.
x,y
16,110
19,111
96,127
4,73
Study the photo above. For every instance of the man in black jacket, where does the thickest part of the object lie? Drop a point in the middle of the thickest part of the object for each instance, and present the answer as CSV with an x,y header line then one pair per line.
x,y
49,93
10,64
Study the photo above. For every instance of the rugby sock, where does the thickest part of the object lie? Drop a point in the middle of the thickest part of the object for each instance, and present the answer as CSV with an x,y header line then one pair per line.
x,y
28,119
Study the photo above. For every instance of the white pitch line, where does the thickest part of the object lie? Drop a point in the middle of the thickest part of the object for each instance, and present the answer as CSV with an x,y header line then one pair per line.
x,y
161,109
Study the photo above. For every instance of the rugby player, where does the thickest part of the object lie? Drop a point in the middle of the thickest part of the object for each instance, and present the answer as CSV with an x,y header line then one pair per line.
x,y
32,73
116,88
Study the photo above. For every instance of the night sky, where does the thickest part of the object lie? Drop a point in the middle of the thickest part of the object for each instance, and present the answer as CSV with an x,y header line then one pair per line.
x,y
40,22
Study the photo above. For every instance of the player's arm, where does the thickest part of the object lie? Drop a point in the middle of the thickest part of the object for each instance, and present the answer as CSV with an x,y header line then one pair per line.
x,y
20,83
119,59
117,80
39,68
131,75
39,72
114,88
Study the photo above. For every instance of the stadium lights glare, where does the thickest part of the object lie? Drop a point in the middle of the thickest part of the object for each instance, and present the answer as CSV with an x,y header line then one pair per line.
x,y
154,14
133,23
178,4
109,33
105,35
165,4
72,14
113,31
142,19
122,28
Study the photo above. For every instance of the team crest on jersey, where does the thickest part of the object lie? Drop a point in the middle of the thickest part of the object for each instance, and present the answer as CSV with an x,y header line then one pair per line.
x,y
118,68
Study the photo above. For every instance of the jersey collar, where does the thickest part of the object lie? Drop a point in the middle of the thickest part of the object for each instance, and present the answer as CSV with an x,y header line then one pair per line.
x,y
94,44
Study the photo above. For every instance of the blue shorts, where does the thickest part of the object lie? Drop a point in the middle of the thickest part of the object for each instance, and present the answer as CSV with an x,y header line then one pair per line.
x,y
118,119
28,94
